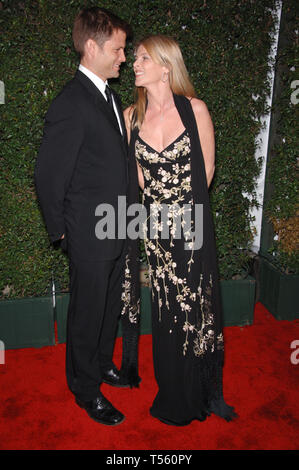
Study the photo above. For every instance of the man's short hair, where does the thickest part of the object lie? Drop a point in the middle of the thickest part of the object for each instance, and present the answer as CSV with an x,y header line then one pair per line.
x,y
97,24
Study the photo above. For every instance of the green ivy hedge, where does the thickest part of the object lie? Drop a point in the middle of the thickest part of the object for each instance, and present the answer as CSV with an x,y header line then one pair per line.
x,y
225,46
282,206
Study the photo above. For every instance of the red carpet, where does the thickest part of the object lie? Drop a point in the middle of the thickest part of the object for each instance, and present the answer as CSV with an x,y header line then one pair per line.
x,y
38,412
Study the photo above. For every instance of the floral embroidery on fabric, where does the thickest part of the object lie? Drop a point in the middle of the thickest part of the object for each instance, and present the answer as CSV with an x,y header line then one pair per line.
x,y
129,307
167,177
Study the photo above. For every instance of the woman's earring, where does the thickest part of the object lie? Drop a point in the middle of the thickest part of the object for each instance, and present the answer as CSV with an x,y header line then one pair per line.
x,y
164,79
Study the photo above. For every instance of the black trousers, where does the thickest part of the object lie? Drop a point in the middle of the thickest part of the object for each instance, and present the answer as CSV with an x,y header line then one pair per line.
x,y
93,314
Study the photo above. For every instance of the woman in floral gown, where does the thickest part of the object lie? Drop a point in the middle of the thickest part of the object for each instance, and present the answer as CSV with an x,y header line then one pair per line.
x,y
171,136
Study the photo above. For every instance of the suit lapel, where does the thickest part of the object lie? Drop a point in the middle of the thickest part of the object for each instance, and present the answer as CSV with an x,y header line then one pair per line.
x,y
121,116
99,100
104,107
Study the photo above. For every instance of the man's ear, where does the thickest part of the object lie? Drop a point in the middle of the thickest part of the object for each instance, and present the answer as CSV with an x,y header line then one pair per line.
x,y
90,48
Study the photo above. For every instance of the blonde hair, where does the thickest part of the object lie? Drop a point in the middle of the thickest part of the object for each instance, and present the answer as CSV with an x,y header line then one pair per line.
x,y
163,50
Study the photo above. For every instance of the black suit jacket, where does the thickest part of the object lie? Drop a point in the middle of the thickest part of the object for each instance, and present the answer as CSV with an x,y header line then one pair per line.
x,y
82,162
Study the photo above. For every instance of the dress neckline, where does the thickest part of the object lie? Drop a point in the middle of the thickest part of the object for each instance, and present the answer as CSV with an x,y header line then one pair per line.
x,y
156,151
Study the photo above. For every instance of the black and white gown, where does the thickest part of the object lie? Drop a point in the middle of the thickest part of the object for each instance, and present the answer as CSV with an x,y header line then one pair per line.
x,y
186,321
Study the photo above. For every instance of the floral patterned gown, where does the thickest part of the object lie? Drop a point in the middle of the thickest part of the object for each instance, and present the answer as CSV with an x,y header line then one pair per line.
x,y
182,318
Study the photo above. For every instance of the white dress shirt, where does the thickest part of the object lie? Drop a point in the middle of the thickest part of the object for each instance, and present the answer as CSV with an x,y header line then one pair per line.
x,y
101,85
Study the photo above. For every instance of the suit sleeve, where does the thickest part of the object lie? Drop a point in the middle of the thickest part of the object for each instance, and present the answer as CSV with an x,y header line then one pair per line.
x,y
56,160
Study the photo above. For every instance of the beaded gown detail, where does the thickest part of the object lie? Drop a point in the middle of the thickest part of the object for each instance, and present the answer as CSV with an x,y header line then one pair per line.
x,y
185,340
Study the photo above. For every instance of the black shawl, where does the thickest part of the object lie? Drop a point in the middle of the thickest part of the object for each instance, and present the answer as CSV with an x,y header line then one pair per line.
x,y
209,366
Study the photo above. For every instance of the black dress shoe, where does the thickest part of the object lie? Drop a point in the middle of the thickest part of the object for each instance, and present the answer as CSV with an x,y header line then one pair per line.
x,y
101,411
112,377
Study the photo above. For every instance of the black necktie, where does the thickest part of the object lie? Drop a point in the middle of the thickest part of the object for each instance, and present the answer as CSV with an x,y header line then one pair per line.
x,y
110,101
109,97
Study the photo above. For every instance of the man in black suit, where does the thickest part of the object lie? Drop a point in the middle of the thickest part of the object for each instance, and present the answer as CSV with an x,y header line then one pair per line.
x,y
82,163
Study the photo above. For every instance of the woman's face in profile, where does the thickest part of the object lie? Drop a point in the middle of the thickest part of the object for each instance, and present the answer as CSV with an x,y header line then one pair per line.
x,y
147,72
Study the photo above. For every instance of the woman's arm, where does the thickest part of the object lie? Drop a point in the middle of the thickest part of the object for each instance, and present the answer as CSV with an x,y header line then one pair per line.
x,y
140,177
206,134
127,117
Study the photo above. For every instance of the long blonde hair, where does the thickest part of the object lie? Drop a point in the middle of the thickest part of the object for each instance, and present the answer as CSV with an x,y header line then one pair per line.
x,y
163,50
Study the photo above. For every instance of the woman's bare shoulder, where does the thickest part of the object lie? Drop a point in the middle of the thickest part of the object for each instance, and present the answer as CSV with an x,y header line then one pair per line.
x,y
128,113
199,106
